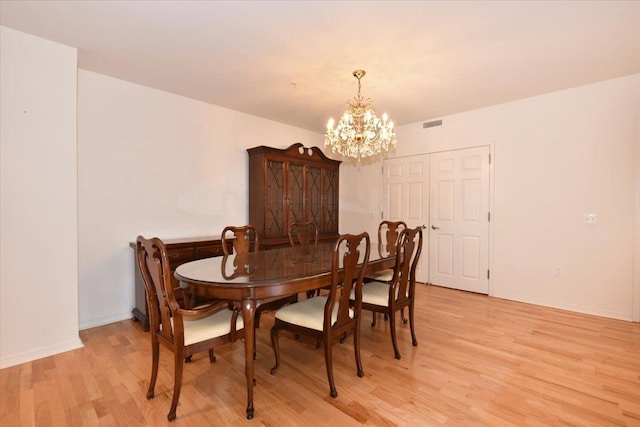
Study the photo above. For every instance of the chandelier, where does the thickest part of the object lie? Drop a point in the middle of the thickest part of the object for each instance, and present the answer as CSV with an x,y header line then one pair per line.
x,y
360,132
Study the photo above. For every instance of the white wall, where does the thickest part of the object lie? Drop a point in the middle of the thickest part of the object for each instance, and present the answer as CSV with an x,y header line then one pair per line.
x,y
38,198
360,195
156,164
556,157
150,162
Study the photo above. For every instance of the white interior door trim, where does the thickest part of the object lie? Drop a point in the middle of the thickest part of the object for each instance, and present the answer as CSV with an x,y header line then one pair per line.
x,y
635,300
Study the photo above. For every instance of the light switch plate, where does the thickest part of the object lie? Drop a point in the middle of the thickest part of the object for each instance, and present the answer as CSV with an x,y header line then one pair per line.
x,y
590,218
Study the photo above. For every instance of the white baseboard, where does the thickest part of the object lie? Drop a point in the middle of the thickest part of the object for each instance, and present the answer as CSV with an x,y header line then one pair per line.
x,y
594,311
92,323
39,353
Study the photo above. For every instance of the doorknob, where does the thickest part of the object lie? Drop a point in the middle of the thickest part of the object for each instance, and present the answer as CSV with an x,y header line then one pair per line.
x,y
433,227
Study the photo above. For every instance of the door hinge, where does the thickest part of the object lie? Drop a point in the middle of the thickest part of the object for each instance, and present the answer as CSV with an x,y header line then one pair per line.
x,y
488,274
489,158
381,214
489,216
382,170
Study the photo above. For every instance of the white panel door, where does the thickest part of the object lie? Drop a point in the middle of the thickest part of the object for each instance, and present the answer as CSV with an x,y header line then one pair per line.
x,y
406,184
459,219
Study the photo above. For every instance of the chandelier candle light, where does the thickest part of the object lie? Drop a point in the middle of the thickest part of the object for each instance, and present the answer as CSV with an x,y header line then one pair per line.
x,y
360,132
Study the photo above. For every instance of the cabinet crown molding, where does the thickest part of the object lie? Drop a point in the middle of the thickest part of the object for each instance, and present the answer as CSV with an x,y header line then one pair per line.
x,y
296,150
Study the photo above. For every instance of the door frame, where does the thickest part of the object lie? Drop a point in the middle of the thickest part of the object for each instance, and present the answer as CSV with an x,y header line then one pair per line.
x,y
635,290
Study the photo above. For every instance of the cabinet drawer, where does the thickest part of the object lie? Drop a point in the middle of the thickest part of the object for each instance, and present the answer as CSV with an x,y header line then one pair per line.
x,y
180,256
208,251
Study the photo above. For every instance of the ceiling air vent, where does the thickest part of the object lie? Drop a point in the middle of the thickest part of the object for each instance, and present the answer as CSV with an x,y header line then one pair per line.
x,y
432,124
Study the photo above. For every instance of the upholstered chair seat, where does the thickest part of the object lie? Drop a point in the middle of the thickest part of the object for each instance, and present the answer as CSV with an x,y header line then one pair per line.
x,y
215,325
308,313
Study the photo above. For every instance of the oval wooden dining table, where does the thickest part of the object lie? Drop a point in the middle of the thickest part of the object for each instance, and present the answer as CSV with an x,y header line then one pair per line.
x,y
250,278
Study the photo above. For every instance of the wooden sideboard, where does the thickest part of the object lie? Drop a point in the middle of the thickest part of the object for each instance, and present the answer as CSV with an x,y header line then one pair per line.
x,y
294,184
179,251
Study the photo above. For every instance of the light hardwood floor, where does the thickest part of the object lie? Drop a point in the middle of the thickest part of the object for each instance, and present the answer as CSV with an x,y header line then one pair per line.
x,y
480,362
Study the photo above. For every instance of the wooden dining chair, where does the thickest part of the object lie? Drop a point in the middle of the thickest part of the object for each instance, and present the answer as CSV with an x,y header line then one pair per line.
x,y
245,239
388,233
330,317
183,331
303,233
399,292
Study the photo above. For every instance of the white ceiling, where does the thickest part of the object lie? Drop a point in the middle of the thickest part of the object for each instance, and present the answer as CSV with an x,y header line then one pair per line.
x,y
291,61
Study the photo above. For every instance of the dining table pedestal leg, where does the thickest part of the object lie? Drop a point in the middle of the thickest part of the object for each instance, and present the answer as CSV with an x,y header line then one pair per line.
x,y
248,316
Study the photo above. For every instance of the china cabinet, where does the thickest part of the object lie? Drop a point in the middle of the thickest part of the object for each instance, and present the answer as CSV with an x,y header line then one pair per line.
x,y
292,184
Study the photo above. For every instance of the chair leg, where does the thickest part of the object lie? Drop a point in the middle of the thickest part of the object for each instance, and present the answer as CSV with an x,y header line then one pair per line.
x,y
356,350
155,356
177,384
392,326
255,352
328,361
276,348
212,357
404,319
375,317
414,340
188,358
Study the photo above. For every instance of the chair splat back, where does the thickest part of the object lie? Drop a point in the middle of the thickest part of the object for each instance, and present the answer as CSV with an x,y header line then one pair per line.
x,y
303,233
245,239
346,256
153,262
409,244
389,232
